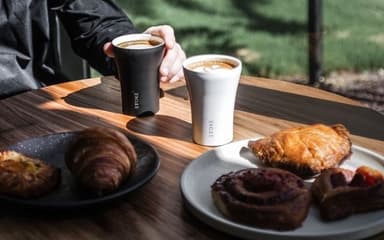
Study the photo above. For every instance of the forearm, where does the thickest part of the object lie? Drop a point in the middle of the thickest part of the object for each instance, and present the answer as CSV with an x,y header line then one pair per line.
x,y
90,24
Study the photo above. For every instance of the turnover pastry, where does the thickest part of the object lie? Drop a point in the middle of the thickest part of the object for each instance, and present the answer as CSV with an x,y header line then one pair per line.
x,y
264,197
101,159
305,150
341,192
26,177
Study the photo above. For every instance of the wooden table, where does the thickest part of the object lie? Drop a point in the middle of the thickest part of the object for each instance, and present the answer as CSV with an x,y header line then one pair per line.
x,y
156,210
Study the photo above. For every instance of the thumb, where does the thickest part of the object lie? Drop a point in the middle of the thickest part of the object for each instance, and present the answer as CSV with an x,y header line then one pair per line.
x,y
108,49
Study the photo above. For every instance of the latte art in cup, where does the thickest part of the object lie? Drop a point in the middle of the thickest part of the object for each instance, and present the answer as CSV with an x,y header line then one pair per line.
x,y
138,44
138,58
211,66
212,81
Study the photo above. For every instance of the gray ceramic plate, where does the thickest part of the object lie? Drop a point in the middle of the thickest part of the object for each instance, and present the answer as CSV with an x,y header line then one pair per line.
x,y
51,148
203,171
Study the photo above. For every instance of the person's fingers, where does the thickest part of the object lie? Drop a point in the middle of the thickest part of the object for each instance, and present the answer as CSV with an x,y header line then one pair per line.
x,y
108,49
170,57
177,77
166,65
171,66
165,32
175,69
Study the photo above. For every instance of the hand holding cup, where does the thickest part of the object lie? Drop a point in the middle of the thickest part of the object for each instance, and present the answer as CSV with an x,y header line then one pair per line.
x,y
138,57
171,67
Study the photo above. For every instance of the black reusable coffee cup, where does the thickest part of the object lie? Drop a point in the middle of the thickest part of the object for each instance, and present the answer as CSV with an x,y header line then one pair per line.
x,y
138,58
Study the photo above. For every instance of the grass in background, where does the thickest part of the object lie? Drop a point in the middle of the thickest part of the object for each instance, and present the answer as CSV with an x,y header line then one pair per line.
x,y
270,36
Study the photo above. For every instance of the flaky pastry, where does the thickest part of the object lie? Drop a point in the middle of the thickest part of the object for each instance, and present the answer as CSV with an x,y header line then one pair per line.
x,y
26,177
305,150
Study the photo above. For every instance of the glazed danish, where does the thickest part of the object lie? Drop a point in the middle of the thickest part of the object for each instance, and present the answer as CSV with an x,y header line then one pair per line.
x,y
265,197
26,177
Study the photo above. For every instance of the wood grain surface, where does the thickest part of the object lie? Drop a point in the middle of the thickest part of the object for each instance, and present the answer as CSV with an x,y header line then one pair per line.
x,y
156,210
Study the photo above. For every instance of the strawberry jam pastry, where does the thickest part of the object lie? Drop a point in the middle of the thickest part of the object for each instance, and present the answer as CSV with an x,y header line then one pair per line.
x,y
342,192
264,197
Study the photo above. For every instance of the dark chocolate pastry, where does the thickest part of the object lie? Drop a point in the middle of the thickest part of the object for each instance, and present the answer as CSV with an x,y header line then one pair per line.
x,y
264,197
341,192
101,159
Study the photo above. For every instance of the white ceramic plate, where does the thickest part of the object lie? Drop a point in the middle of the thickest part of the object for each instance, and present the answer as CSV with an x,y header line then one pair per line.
x,y
200,174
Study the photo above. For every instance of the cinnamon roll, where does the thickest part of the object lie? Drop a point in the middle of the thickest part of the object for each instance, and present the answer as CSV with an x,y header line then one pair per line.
x,y
264,197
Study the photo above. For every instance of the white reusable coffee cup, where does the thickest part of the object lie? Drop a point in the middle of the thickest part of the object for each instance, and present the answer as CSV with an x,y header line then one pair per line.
x,y
212,91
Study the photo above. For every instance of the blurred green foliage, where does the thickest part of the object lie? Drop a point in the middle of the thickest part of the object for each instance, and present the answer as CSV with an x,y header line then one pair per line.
x,y
270,36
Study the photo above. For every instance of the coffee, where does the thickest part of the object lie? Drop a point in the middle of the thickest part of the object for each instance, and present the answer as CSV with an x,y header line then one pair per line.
x,y
212,81
138,58
211,65
139,44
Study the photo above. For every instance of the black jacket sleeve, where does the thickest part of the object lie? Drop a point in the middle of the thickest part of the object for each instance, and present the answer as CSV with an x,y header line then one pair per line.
x,y
90,24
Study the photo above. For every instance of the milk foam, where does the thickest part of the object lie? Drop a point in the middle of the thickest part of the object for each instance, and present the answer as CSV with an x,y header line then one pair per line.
x,y
212,68
138,46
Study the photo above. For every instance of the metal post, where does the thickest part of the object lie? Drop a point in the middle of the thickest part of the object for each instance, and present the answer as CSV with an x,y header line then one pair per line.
x,y
315,41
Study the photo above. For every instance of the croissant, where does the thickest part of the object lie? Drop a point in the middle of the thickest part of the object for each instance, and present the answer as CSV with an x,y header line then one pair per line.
x,y
26,177
305,150
101,159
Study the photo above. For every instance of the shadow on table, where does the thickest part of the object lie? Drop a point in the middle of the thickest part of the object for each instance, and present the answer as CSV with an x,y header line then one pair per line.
x,y
360,121
105,214
158,125
109,101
